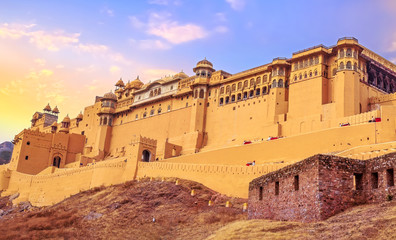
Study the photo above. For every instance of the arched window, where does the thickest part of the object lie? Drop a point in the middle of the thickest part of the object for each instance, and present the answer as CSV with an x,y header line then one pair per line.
x,y
228,89
316,72
355,66
305,75
146,156
196,93
280,83
159,91
349,52
341,65
201,93
264,90
222,90
239,85
144,114
227,100
221,101
301,64
155,92
295,66
245,84
258,80
251,93
300,76
244,95
310,73
306,63
105,121
349,65
233,98
281,71
233,87
334,71
316,60
151,93
159,111
110,121
273,84
295,77
186,104
252,82
258,92
152,112
311,61
342,53
169,108
354,54
265,79
239,97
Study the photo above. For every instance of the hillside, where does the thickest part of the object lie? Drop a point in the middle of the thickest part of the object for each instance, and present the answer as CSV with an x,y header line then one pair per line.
x,y
126,211
5,152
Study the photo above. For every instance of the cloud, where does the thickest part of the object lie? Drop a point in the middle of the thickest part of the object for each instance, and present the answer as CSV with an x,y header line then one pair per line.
x,y
221,17
51,41
109,12
114,69
161,25
39,61
150,44
236,4
93,48
221,29
164,2
153,74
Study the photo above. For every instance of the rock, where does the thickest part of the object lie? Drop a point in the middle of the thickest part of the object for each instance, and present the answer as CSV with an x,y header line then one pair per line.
x,y
14,196
24,206
93,216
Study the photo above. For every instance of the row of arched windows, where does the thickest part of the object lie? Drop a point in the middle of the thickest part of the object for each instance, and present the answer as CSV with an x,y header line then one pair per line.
x,y
106,120
348,53
152,112
243,85
306,75
201,93
279,71
348,66
243,96
306,63
155,92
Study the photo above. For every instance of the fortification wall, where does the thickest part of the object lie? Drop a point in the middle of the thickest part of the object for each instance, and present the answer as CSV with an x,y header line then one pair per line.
x,y
227,179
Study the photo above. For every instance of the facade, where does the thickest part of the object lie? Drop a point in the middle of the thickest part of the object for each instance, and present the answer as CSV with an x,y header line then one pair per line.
x,y
195,127
320,187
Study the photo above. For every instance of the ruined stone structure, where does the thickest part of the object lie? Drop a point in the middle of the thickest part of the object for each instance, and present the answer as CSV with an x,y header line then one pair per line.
x,y
321,186
336,100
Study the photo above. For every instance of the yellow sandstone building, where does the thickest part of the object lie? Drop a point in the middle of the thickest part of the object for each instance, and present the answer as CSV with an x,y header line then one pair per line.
x,y
335,100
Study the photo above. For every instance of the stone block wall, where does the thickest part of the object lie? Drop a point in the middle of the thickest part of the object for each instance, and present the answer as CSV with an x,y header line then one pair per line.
x,y
327,185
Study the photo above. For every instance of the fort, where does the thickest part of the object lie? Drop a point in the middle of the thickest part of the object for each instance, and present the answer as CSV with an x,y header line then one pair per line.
x,y
336,100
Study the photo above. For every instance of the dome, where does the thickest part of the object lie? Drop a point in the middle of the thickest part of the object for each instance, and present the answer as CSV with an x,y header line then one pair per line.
x,y
47,108
55,110
79,116
120,83
136,83
128,85
66,119
204,63
110,95
181,75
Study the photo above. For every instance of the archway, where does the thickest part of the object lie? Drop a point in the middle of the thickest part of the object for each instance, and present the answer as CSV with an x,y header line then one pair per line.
x,y
56,162
146,156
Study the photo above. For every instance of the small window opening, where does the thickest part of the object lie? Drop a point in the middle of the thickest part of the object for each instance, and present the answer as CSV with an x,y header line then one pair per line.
x,y
390,177
26,157
276,188
357,181
296,183
28,143
374,180
261,193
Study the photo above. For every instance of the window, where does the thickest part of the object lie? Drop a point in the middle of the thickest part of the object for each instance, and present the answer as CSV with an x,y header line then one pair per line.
x,y
357,181
276,188
295,66
301,64
341,65
273,84
258,92
136,117
222,90
221,101
310,74
258,80
27,143
233,98
296,183
186,104
233,88
374,180
83,132
239,85
305,75
245,84
295,77
252,82
316,60
239,97
244,95
201,93
342,53
26,157
390,178
316,72
281,71
227,100
261,193
311,61
169,108
334,71
280,83
151,93
349,65
228,89
300,77
265,78
159,110
264,90
349,52
251,93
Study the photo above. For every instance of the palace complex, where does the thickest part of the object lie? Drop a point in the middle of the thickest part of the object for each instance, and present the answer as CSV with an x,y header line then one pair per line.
x,y
207,127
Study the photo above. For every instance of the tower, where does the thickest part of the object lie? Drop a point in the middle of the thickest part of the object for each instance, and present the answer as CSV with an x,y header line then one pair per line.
x,y
106,115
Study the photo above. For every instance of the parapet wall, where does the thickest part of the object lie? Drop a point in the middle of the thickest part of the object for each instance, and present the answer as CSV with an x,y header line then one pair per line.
x,y
227,179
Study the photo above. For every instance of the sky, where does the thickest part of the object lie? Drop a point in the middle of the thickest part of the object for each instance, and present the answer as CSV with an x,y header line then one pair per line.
x,y
67,52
